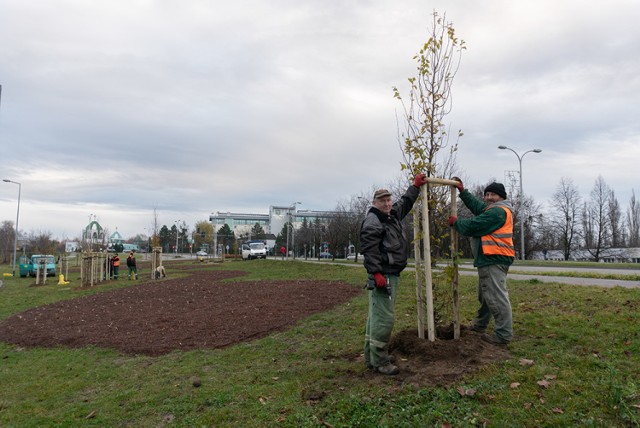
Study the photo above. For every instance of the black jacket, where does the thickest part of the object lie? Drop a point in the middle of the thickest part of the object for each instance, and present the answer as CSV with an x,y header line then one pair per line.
x,y
382,239
131,261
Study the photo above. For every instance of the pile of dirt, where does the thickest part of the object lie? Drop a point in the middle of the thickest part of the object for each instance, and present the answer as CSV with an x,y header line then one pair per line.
x,y
444,360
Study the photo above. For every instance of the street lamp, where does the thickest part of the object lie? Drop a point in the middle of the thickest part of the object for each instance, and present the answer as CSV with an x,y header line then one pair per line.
x,y
292,206
15,240
521,194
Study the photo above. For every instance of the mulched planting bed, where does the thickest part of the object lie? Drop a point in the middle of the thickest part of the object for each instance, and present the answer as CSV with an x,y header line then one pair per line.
x,y
199,311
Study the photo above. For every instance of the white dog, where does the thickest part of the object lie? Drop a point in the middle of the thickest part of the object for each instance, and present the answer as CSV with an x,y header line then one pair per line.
x,y
160,272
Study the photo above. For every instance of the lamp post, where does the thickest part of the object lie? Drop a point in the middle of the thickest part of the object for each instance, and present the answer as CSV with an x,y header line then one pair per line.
x,y
291,207
520,157
15,240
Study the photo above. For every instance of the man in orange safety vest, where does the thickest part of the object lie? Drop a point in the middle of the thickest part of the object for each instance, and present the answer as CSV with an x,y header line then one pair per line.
x,y
491,231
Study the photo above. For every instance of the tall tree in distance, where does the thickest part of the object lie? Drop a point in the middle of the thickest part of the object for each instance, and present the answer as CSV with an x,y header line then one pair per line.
x,y
226,238
257,232
424,135
7,234
203,236
155,229
633,221
566,201
596,225
616,225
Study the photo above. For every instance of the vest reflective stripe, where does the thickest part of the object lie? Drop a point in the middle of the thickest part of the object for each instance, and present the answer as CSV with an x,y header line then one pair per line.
x,y
500,242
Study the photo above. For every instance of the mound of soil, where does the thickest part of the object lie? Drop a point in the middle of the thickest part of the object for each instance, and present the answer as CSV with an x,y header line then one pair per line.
x,y
201,311
444,360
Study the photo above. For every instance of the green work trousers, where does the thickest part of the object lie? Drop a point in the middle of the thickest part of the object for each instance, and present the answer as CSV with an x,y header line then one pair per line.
x,y
380,324
494,301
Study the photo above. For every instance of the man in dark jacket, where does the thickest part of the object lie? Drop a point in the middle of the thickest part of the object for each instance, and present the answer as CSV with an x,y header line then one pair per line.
x,y
131,264
491,231
385,250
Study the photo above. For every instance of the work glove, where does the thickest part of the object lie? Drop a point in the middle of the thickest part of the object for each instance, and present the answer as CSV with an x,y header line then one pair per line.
x,y
419,180
381,281
452,220
460,186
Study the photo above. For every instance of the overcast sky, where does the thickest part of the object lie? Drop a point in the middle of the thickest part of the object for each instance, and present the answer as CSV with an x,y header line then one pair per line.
x,y
115,108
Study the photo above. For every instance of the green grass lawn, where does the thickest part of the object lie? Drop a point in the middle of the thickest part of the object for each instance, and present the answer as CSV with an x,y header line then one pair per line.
x,y
575,362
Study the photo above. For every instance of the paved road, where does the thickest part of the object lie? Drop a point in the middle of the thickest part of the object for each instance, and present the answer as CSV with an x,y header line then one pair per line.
x,y
468,269
609,283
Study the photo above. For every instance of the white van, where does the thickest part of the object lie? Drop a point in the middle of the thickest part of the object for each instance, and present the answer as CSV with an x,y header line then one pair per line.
x,y
254,250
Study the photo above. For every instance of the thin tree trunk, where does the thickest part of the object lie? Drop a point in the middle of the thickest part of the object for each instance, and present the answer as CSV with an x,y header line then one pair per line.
x,y
454,260
426,238
419,277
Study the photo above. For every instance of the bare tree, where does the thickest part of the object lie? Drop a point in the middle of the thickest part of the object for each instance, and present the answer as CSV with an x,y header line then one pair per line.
x,y
616,225
155,228
566,201
595,219
533,226
633,221
354,211
41,242
7,233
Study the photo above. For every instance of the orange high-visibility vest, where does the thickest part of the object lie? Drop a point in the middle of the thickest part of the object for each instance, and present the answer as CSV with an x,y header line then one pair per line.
x,y
500,242
116,261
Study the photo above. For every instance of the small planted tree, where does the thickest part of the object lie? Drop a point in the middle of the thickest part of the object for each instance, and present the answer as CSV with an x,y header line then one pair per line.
x,y
425,138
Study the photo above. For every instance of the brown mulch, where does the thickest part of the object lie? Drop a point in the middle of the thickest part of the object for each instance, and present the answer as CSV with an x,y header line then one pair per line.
x,y
199,311
202,311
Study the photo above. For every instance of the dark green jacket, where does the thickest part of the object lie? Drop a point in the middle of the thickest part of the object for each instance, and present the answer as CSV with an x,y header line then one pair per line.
x,y
487,219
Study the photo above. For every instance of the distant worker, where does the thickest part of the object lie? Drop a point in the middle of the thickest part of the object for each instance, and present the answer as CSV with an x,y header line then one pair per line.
x,y
115,263
283,251
131,264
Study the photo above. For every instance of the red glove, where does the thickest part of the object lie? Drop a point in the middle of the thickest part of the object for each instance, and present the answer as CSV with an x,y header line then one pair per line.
x,y
419,180
381,281
460,186
452,220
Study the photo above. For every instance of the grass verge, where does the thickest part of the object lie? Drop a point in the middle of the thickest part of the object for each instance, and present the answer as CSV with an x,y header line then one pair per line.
x,y
575,363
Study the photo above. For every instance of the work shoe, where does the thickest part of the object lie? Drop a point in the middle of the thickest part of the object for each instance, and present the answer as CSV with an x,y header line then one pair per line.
x,y
493,340
388,370
479,329
392,359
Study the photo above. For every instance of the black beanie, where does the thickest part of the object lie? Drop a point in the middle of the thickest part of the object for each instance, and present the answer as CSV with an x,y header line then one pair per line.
x,y
497,188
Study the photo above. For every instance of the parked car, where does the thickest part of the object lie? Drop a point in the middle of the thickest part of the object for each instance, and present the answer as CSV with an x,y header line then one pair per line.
x,y
254,250
44,262
326,255
201,253
352,256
